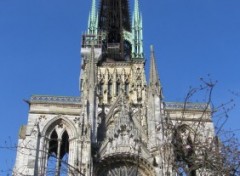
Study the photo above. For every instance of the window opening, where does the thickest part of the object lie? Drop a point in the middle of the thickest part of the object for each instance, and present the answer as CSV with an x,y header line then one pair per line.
x,y
52,153
51,165
64,169
58,151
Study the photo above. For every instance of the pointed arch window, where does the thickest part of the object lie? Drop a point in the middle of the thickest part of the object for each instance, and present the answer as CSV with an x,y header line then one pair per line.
x,y
58,150
52,153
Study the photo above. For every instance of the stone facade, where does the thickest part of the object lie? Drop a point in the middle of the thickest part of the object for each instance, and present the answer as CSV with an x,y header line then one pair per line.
x,y
119,126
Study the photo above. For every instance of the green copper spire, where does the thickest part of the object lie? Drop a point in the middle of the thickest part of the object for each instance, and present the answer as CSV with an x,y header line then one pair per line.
x,y
137,51
93,19
136,9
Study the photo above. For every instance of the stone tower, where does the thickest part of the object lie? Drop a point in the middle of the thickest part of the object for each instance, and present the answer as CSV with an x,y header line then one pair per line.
x,y
120,125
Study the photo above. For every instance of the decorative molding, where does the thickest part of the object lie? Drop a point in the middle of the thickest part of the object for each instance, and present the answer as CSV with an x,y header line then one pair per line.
x,y
187,106
54,112
191,120
54,99
126,64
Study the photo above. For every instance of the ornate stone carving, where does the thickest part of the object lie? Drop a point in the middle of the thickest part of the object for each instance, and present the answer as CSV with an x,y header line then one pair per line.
x,y
76,119
42,117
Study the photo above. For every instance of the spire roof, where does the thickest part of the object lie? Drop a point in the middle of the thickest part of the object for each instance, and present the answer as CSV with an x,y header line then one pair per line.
x,y
154,82
136,10
93,10
137,31
93,19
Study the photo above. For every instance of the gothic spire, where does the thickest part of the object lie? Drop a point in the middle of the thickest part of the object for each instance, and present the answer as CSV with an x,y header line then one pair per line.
x,y
137,28
136,11
93,19
154,82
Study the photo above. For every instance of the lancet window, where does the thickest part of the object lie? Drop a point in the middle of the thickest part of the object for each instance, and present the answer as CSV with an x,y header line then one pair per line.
x,y
58,150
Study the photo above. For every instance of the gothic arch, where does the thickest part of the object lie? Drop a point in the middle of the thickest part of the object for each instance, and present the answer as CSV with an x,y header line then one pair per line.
x,y
120,102
70,128
110,119
114,114
57,134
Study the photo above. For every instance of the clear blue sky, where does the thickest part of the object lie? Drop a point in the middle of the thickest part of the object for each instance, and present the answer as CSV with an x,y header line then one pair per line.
x,y
40,52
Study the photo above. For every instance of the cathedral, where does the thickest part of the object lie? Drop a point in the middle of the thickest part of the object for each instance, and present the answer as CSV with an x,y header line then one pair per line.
x,y
120,125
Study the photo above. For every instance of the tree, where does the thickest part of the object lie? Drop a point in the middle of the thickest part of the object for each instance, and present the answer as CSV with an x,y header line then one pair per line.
x,y
194,152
